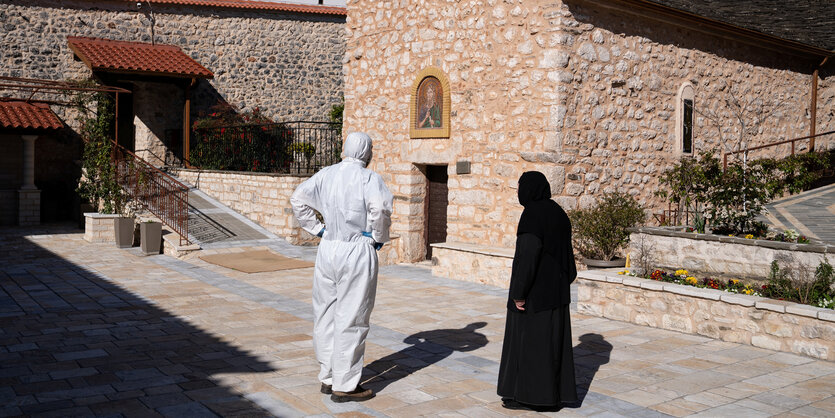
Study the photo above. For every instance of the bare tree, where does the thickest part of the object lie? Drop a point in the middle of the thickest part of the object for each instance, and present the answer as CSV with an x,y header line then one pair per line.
x,y
750,113
644,251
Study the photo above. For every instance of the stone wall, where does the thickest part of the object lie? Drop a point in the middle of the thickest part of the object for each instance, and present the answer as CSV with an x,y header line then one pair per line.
x,y
621,80
826,111
472,263
765,323
288,65
726,256
157,109
585,95
263,198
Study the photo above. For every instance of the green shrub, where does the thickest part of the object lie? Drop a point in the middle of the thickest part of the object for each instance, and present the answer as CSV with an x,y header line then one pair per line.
x,y
797,283
599,232
730,199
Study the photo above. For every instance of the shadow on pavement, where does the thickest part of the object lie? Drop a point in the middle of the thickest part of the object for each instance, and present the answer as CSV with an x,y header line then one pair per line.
x,y
428,347
72,343
592,352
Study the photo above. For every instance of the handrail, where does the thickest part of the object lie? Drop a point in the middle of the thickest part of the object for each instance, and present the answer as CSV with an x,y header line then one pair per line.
x,y
157,191
773,144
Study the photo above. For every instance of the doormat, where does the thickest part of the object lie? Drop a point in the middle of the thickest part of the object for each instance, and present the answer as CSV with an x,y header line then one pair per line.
x,y
256,261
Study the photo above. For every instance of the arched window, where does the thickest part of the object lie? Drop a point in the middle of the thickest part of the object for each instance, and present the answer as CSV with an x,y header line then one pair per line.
x,y
684,119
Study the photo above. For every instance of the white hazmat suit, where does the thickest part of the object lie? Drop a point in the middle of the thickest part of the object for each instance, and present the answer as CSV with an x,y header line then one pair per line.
x,y
355,203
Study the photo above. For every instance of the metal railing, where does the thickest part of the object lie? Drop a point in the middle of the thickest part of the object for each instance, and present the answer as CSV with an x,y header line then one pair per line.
x,y
674,216
298,147
792,142
155,190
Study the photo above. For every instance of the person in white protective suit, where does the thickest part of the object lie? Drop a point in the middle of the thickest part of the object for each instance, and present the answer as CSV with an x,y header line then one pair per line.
x,y
356,206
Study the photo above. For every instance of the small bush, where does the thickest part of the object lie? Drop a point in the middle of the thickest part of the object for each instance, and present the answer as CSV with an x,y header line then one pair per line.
x,y
796,282
599,232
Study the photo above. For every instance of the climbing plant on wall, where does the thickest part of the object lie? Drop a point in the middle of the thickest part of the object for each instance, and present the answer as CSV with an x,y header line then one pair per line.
x,y
96,118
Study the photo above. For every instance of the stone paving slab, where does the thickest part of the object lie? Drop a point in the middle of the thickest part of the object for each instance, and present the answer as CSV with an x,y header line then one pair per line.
x,y
92,330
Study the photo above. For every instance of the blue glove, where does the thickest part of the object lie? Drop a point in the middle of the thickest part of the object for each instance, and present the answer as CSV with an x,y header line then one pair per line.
x,y
377,245
322,232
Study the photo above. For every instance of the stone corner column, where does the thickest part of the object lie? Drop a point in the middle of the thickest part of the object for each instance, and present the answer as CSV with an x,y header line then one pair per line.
x,y
29,197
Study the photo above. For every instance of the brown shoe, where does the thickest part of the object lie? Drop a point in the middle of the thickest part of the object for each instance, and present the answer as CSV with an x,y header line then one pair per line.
x,y
357,395
326,389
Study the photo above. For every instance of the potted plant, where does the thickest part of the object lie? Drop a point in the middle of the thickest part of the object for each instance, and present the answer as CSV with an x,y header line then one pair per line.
x,y
600,232
98,183
150,234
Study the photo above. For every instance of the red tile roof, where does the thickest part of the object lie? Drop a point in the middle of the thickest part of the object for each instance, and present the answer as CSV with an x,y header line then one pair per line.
x,y
259,5
136,58
23,115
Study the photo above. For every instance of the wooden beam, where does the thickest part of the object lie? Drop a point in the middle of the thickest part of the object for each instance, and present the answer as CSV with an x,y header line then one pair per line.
x,y
813,112
116,117
187,124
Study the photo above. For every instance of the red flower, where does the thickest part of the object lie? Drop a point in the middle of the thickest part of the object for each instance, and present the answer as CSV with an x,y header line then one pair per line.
x,y
222,130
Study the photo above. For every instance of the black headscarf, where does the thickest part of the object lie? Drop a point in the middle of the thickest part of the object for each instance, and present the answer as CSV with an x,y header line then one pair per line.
x,y
548,221
534,194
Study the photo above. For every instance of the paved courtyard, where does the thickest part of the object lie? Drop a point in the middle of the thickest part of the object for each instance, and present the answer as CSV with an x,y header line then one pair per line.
x,y
92,330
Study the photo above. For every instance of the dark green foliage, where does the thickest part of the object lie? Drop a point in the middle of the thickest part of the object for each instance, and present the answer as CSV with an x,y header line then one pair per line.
x,y
336,117
98,183
600,231
336,112
249,141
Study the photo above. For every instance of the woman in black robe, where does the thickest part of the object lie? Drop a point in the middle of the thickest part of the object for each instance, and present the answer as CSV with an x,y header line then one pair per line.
x,y
537,368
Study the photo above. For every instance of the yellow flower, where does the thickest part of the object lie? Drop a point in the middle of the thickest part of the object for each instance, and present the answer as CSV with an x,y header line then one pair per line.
x,y
749,236
692,280
734,281
748,291
681,272
622,272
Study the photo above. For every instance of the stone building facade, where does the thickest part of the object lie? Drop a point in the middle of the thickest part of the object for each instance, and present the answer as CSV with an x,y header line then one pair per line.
x,y
589,93
286,62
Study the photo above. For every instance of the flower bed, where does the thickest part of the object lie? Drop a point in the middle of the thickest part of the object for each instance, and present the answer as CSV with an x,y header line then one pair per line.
x,y
733,317
789,235
817,291
720,255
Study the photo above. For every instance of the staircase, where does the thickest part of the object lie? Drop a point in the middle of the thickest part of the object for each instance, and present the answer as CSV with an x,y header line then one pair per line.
x,y
197,220
811,213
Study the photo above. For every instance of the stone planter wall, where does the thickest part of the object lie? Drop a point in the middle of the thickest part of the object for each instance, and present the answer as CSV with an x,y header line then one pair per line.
x,y
473,263
765,323
99,227
715,254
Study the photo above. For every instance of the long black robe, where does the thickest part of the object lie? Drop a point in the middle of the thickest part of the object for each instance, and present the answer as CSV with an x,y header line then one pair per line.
x,y
537,366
